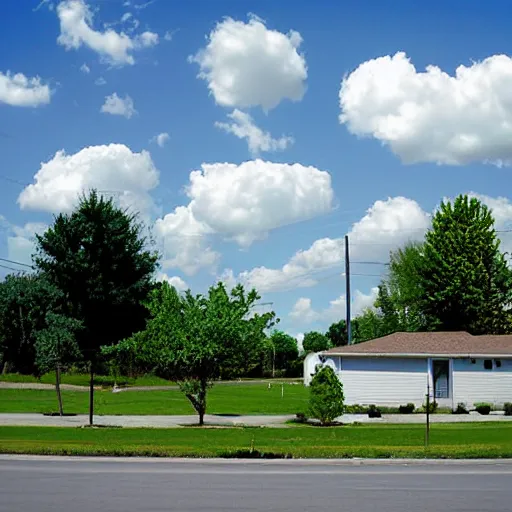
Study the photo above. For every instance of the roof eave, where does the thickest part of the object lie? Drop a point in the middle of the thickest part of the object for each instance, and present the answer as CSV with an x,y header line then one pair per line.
x,y
417,355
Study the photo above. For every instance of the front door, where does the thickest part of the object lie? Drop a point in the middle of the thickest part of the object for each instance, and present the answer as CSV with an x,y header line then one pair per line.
x,y
441,378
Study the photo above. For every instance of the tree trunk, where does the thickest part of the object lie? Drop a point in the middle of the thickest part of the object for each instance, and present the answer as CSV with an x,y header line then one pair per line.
x,y
57,388
91,396
199,400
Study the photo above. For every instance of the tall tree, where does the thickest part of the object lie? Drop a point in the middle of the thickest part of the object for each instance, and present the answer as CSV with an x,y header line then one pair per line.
x,y
24,303
284,350
465,279
190,338
56,347
97,257
337,333
369,325
315,342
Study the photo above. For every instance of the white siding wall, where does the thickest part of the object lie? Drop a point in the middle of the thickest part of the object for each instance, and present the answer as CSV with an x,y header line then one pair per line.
x,y
472,383
385,382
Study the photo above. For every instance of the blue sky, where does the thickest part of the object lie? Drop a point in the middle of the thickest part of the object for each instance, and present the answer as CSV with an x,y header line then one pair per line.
x,y
278,179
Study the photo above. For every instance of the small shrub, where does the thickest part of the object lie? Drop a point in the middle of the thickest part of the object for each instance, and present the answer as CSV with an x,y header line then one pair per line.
x,y
507,407
483,408
356,409
431,409
374,412
461,409
326,399
406,409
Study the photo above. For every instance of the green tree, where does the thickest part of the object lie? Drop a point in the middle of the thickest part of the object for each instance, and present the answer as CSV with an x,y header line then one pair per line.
x,y
24,303
284,350
190,338
97,257
337,334
389,318
368,326
315,342
326,399
465,279
56,347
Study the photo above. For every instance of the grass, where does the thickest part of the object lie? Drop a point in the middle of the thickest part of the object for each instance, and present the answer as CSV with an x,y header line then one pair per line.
x,y
83,379
383,441
234,399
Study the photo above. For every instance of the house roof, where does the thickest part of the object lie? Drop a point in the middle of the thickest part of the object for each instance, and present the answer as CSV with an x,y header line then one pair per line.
x,y
417,344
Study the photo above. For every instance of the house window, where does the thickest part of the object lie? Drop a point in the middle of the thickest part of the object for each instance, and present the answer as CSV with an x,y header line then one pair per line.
x,y
488,364
498,363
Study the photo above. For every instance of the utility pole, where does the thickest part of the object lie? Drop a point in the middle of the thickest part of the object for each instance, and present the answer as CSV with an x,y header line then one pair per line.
x,y
347,290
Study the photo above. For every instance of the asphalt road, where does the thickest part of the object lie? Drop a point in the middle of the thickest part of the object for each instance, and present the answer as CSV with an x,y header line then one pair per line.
x,y
108,485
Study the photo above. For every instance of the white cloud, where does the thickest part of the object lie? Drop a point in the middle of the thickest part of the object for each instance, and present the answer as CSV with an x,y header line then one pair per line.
x,y
112,169
246,65
139,7
100,81
21,246
126,16
303,312
168,35
241,202
258,141
84,68
175,281
20,91
386,226
118,106
76,30
160,139
431,116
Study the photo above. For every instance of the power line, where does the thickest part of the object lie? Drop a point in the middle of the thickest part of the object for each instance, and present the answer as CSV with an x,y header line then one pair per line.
x,y
16,263
13,269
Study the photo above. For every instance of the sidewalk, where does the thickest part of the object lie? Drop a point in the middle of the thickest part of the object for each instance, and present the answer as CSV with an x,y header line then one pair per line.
x,y
225,420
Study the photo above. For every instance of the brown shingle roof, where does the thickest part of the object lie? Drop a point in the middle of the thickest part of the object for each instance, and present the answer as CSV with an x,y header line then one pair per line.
x,y
458,344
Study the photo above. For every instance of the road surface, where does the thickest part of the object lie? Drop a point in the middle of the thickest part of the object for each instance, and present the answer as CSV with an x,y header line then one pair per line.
x,y
109,485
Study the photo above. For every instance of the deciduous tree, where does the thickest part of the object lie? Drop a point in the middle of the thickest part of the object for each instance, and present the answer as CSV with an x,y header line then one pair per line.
x,y
327,400
315,342
337,333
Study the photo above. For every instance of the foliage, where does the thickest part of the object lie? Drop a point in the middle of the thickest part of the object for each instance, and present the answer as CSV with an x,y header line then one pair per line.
x,y
432,407
461,409
96,257
406,409
483,408
191,338
55,343
285,349
368,326
315,342
465,281
24,303
507,407
337,334
374,411
327,400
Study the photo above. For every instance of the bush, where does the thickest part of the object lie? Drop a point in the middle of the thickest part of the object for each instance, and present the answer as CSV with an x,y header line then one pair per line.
x,y
326,399
406,409
461,409
431,409
507,407
374,412
483,408
300,417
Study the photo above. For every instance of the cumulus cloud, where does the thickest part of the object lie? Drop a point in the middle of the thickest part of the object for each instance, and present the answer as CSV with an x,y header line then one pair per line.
x,y
112,168
84,68
304,313
21,246
248,65
243,203
115,48
100,81
431,116
118,106
19,90
175,281
243,127
387,225
161,139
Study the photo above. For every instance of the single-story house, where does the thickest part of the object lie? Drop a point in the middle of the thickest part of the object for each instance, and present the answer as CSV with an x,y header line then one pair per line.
x,y
395,369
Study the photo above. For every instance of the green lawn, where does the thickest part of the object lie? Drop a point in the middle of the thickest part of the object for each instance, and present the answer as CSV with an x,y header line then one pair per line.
x,y
447,441
83,380
233,399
